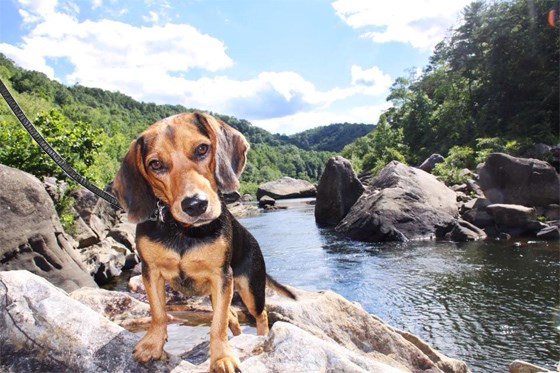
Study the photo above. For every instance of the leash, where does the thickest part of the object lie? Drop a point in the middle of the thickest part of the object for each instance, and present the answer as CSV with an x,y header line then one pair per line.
x,y
47,148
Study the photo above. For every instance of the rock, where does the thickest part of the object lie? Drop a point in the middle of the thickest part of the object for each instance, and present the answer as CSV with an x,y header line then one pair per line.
x,y
429,164
31,235
286,187
124,233
474,211
98,214
460,231
512,215
552,212
84,202
521,181
83,233
330,317
240,210
549,233
474,189
461,197
232,197
105,260
519,366
117,306
535,226
409,205
319,355
541,150
504,236
338,190
247,197
55,188
44,330
55,332
270,208
459,188
266,201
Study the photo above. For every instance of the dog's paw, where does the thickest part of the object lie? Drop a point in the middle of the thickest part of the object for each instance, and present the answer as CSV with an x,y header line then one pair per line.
x,y
149,348
227,364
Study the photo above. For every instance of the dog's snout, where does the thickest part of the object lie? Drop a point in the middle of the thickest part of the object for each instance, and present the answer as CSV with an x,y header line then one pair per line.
x,y
195,206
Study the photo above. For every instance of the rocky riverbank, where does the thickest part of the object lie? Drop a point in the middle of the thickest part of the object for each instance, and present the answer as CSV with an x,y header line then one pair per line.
x,y
46,329
508,197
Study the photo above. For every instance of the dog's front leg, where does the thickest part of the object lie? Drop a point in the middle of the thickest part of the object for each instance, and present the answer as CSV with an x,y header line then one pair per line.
x,y
221,358
151,345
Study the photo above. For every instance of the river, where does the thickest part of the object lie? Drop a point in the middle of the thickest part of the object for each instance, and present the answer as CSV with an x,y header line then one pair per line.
x,y
487,303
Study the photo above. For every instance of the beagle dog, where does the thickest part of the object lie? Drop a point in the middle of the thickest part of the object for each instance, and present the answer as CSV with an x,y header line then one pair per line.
x,y
170,183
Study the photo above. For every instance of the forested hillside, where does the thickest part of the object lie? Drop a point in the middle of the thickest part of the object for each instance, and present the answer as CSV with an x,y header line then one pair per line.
x,y
92,128
330,138
492,84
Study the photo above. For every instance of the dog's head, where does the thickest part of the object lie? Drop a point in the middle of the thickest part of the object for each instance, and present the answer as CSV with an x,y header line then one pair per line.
x,y
183,161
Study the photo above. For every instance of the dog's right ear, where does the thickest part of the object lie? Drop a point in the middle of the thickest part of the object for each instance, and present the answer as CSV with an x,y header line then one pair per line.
x,y
130,186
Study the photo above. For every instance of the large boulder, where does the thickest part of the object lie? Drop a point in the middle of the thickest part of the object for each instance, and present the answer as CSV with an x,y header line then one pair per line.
x,y
460,231
429,164
31,236
286,187
407,204
512,215
338,190
44,330
331,317
520,181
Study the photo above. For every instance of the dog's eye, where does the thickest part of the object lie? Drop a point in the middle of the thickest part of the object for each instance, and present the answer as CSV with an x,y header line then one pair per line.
x,y
201,150
155,165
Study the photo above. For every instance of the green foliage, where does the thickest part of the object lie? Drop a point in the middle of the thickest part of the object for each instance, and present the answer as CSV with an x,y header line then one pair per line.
x,y
382,145
266,162
492,85
451,170
63,208
248,187
76,142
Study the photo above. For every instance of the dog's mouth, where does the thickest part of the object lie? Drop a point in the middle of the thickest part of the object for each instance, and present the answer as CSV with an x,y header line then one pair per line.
x,y
189,221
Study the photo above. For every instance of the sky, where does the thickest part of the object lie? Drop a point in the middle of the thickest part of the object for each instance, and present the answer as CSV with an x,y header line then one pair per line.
x,y
283,65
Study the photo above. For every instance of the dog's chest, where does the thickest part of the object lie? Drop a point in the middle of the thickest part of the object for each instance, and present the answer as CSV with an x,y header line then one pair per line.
x,y
191,271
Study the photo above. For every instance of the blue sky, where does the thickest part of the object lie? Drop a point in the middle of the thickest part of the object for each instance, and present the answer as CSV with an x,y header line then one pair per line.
x,y
284,65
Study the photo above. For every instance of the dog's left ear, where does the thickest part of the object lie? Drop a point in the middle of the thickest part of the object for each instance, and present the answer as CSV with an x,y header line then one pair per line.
x,y
231,152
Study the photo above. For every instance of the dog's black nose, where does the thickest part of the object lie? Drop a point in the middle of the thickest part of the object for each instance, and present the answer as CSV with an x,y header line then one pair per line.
x,y
194,206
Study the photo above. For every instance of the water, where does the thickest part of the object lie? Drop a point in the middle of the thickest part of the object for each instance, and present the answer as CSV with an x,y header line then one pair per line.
x,y
485,303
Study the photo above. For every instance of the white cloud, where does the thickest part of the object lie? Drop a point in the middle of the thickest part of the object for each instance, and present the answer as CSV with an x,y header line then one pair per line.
x,y
105,49
372,81
420,23
34,10
152,17
153,64
32,61
298,122
96,4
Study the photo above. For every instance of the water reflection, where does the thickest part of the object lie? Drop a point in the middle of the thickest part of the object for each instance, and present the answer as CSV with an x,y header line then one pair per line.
x,y
486,303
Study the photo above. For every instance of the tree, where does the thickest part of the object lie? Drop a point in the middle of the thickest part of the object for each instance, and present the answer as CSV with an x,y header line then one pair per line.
x,y
76,142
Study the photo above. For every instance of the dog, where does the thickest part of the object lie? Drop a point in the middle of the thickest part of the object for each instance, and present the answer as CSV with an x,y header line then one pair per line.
x,y
170,183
